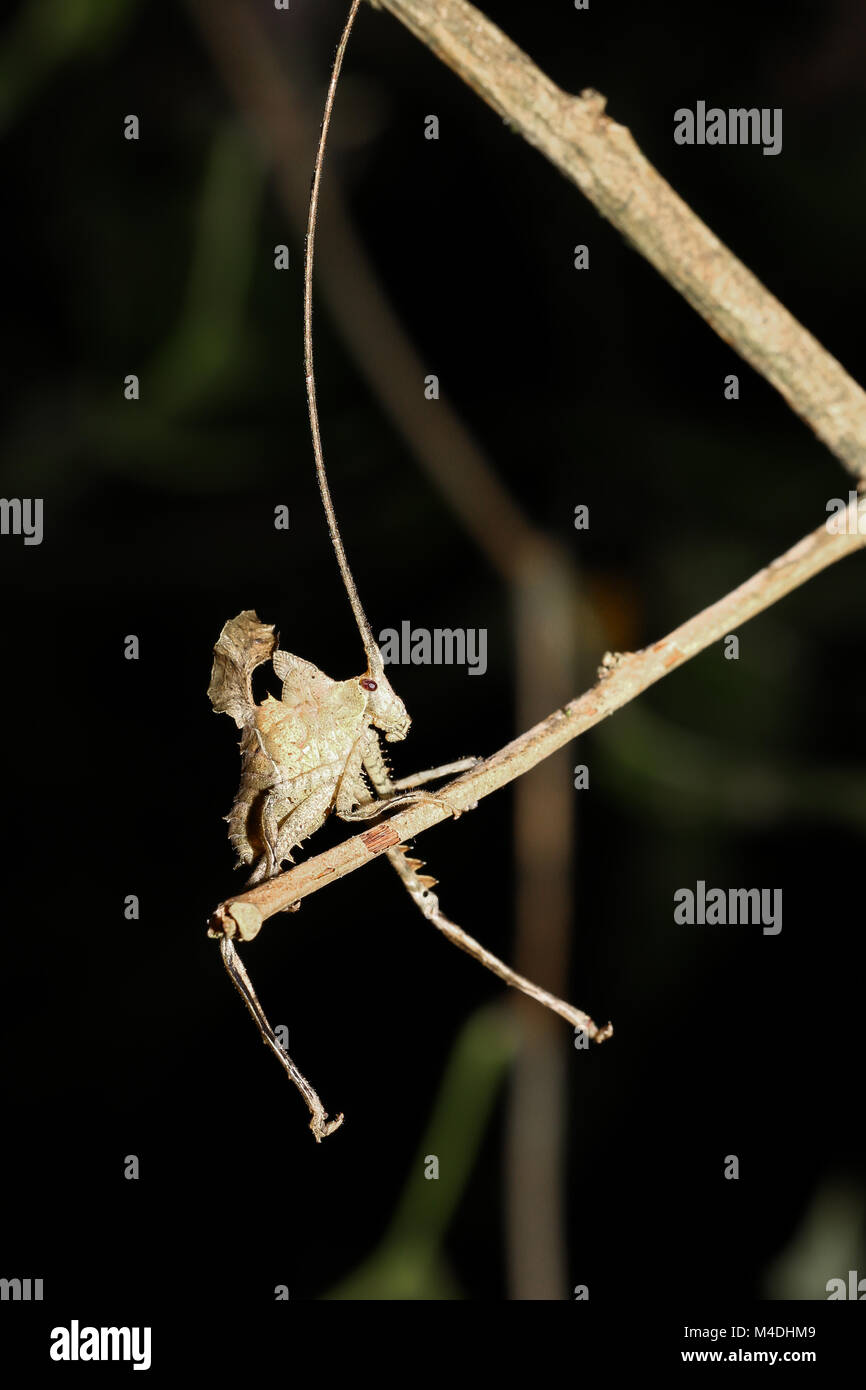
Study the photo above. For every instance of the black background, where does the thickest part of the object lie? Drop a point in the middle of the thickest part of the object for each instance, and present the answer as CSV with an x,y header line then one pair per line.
x,y
604,388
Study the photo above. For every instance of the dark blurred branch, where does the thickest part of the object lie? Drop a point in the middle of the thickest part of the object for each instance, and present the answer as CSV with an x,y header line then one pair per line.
x,y
602,158
547,643
625,676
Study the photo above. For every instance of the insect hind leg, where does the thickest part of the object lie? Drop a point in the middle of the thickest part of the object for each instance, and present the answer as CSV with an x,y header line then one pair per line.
x,y
281,837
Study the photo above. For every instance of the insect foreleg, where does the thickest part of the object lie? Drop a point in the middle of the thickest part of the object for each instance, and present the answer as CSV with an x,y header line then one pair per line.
x,y
431,774
353,800
390,793
378,805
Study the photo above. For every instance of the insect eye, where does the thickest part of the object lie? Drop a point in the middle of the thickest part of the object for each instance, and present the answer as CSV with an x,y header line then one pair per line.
x,y
367,684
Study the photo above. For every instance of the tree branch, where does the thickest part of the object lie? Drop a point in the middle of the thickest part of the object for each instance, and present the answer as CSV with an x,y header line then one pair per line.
x,y
621,679
602,158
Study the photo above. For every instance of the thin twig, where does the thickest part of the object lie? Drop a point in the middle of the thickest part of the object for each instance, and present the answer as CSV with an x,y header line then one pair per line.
x,y
602,158
625,678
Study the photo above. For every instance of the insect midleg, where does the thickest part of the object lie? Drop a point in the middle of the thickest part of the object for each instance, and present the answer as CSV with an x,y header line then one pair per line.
x,y
390,793
430,774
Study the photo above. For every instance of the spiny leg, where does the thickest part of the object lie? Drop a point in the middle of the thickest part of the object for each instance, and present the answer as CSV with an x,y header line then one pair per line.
x,y
353,800
268,864
284,836
274,829
319,1123
390,793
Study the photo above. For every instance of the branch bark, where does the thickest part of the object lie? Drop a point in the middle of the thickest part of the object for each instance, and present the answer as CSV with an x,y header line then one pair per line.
x,y
602,158
620,680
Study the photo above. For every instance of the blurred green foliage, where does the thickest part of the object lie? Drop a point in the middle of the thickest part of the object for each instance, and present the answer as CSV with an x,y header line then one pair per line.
x,y
46,34
410,1262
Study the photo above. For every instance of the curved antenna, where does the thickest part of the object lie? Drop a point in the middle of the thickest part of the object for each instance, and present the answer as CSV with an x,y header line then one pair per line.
x,y
370,646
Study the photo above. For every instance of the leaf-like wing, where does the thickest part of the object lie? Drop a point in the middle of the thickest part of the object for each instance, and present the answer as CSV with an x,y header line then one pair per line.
x,y
302,681
243,644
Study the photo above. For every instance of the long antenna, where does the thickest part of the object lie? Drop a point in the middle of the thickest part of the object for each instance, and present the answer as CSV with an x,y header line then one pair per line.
x,y
370,646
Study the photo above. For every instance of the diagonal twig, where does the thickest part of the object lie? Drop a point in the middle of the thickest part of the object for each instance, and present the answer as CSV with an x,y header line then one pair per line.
x,y
626,676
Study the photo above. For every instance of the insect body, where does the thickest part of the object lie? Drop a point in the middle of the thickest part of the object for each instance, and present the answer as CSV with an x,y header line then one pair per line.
x,y
314,750
305,754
